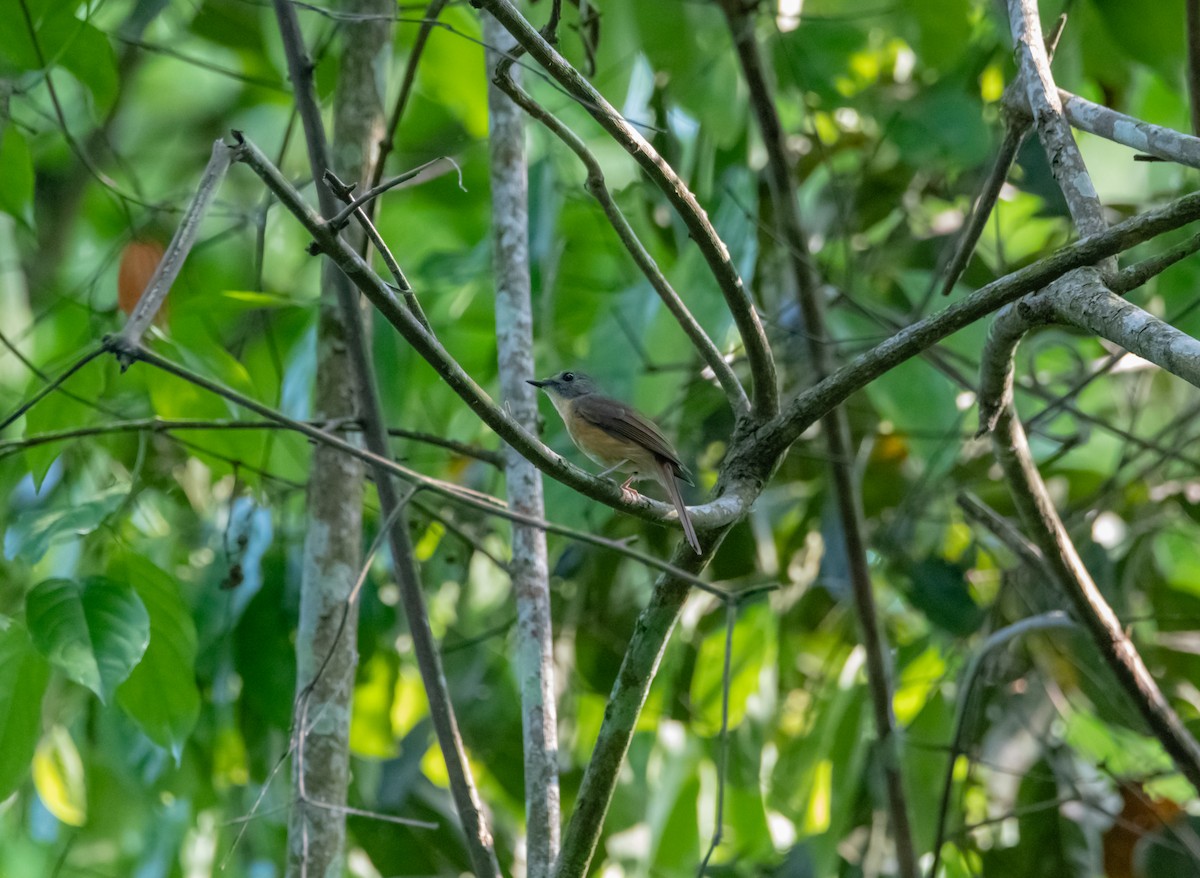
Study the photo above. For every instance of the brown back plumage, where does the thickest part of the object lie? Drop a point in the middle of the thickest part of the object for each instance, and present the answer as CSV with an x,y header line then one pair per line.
x,y
623,422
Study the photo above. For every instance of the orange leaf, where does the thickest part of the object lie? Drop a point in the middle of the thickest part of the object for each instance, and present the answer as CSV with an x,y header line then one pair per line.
x,y
138,261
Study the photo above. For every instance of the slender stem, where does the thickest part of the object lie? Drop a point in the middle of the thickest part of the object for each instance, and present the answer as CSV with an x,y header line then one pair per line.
x,y
169,425
428,23
981,210
342,191
46,390
723,738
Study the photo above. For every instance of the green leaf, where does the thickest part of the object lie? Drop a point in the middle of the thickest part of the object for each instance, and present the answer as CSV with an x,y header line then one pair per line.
x,y
36,531
61,39
161,693
96,632
16,183
939,589
23,677
1151,33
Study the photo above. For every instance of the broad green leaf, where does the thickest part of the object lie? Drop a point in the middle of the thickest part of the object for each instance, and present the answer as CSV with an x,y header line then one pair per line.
x,y
16,183
23,677
161,693
95,631
59,778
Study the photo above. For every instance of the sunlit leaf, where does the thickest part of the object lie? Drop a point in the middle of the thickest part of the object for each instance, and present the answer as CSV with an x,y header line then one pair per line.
x,y
59,778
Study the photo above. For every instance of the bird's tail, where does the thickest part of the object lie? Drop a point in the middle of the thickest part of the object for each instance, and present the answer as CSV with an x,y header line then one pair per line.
x,y
666,475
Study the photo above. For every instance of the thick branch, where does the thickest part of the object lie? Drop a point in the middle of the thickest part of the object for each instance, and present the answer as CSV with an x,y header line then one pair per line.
x,y
808,406
480,846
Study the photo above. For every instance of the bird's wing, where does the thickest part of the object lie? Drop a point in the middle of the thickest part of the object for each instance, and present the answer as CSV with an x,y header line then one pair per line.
x,y
621,421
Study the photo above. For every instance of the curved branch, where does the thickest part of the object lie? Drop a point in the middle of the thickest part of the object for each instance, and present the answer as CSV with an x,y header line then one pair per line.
x,y
1048,533
595,185
716,254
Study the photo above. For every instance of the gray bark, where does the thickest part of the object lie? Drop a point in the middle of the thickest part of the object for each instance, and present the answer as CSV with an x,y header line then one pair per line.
x,y
529,568
333,541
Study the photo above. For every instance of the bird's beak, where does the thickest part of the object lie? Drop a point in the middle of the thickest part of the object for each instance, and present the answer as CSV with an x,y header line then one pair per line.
x,y
536,383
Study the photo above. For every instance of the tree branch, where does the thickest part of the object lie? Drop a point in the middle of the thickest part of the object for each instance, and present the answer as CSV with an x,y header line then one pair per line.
x,y
809,405
479,842
530,568
596,186
710,515
1156,140
836,426
716,254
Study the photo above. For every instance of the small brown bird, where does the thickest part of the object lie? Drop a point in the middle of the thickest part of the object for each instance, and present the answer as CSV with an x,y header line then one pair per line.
x,y
615,436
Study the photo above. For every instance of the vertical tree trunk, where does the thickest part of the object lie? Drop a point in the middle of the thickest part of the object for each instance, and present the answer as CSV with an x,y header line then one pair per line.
x,y
333,543
529,568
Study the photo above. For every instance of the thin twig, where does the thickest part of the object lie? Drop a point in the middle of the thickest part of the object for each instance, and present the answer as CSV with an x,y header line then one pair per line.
x,y
723,737
1003,529
406,83
1015,132
342,191
475,499
169,266
47,389
966,690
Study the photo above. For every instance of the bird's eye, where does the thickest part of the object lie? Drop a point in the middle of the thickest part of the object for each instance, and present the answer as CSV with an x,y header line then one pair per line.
x,y
568,376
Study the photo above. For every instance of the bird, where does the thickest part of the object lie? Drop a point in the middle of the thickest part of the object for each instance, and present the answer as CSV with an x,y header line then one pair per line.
x,y
616,436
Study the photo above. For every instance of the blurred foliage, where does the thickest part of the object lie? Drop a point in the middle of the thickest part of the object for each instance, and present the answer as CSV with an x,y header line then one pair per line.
x,y
148,584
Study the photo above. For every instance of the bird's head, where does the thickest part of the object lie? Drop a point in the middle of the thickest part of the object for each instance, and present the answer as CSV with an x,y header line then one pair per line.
x,y
566,385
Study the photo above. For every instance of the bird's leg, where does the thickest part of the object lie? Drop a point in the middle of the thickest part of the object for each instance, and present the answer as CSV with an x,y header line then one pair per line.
x,y
616,466
628,492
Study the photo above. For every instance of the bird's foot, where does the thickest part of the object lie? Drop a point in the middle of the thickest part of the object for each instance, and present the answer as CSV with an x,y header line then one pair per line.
x,y
629,493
